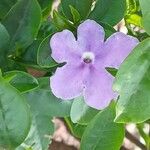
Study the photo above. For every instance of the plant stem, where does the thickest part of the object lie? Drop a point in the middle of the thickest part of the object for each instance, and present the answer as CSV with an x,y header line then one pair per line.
x,y
69,124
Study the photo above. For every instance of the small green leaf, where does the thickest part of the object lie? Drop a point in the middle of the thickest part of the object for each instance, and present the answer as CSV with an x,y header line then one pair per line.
x,y
21,80
46,6
134,19
82,6
102,133
22,23
133,85
14,117
61,22
81,113
75,14
109,11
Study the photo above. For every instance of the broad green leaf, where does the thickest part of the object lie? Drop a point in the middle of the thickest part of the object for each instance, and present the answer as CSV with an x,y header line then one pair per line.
x,y
14,117
40,133
82,6
109,11
80,112
146,14
21,80
133,85
44,58
102,133
5,6
44,101
22,23
109,30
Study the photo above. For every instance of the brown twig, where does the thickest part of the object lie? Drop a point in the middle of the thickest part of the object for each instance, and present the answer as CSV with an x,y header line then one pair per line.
x,y
135,140
124,148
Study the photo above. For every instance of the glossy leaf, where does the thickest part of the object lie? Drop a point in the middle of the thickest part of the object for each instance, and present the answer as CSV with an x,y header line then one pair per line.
x,y
41,130
133,84
146,14
4,38
76,129
14,117
102,133
22,23
46,6
29,57
75,14
5,6
22,81
44,101
80,112
82,6
109,30
109,11
61,22
44,58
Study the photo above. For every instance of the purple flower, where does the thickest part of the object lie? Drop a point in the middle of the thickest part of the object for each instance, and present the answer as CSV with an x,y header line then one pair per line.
x,y
86,60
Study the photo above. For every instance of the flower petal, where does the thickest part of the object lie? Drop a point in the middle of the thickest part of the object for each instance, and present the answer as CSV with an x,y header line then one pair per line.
x,y
66,83
117,48
64,46
98,92
90,35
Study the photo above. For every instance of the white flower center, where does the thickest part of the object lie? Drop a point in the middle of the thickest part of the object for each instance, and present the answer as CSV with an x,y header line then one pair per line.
x,y
88,57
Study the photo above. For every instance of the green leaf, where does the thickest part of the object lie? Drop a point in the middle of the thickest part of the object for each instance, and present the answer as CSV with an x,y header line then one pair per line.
x,y
44,58
109,30
81,113
75,14
14,117
102,133
5,6
131,6
109,11
41,130
22,23
76,130
61,22
134,19
4,38
146,14
82,6
46,6
44,101
29,57
21,80
112,71
133,85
